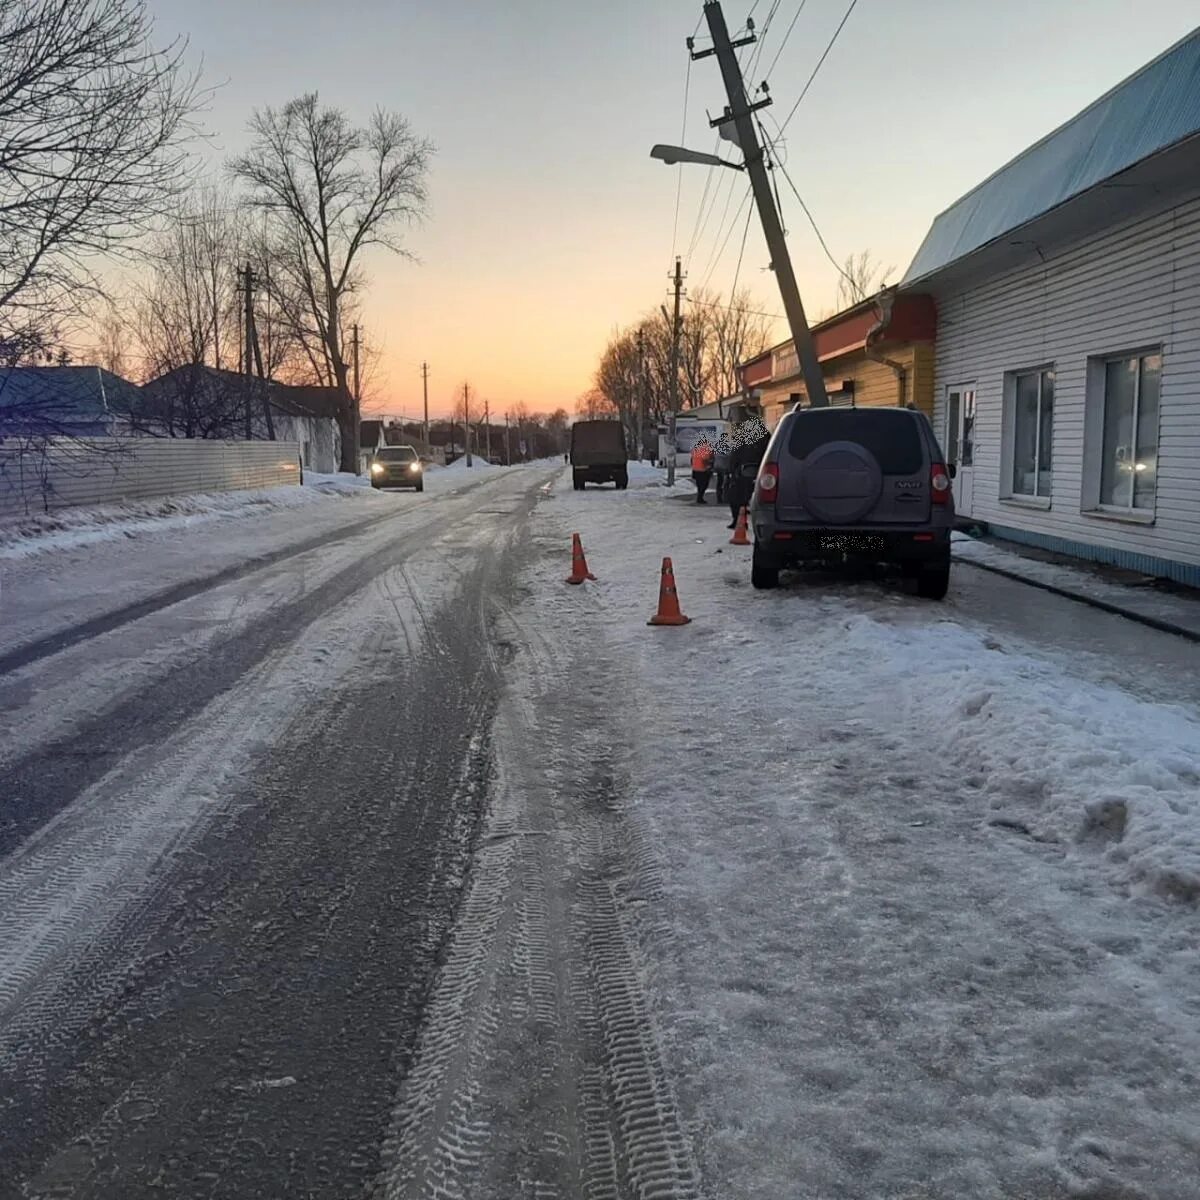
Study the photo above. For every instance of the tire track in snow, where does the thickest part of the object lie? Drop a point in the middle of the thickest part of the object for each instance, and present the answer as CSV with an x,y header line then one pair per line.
x,y
549,937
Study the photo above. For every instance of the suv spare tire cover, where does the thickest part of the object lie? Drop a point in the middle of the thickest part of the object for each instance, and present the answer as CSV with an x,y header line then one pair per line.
x,y
840,482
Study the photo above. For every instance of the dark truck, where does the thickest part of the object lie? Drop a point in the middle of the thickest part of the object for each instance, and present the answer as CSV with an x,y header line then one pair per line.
x,y
598,454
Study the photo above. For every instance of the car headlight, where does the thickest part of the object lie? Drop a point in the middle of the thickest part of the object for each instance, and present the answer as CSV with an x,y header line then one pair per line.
x,y
415,467
376,468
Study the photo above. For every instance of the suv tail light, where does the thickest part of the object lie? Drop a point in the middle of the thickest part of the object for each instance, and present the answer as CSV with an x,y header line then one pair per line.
x,y
768,484
939,482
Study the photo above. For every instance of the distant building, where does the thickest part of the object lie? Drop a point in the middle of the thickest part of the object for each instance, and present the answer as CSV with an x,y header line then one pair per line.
x,y
1068,351
71,402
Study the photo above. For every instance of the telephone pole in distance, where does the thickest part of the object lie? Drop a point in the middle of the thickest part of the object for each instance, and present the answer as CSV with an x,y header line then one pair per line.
x,y
425,387
467,420
357,401
740,113
676,330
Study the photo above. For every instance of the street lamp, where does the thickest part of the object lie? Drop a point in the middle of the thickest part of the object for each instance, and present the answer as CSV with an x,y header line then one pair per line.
x,y
681,154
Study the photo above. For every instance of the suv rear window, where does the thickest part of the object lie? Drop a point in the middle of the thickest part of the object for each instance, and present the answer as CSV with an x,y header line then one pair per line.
x,y
891,435
397,454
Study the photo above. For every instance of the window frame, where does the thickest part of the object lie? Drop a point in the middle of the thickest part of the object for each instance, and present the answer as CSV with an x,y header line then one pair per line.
x,y
1096,416
1008,491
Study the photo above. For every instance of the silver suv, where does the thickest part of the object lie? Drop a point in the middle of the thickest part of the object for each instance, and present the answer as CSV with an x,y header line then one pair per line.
x,y
854,484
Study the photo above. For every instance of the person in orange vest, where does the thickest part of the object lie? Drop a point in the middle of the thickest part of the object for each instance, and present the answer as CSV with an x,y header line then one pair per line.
x,y
702,467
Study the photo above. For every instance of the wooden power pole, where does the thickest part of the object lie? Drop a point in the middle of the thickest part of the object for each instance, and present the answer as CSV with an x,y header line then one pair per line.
x,y
676,330
467,419
247,349
425,387
356,399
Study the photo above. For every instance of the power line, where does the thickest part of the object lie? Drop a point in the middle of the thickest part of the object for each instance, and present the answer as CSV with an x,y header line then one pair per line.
x,y
820,64
724,213
820,237
756,57
687,86
725,243
754,312
696,228
775,60
741,254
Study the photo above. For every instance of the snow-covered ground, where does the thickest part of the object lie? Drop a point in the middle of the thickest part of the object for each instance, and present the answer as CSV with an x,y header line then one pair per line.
x,y
60,570
933,884
1172,608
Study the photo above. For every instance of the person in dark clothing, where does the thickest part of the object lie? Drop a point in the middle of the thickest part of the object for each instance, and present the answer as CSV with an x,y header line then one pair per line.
x,y
750,445
702,464
721,453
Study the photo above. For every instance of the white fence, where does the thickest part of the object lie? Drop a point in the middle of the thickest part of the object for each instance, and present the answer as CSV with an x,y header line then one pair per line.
x,y
62,474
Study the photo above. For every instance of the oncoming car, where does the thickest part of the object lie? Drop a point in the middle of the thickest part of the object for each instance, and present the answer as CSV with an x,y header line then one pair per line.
x,y
854,484
397,467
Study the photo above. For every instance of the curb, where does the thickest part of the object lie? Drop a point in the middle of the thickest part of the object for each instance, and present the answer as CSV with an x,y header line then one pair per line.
x,y
1190,635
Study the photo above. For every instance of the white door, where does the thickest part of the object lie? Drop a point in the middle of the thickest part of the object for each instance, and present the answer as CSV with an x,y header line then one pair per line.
x,y
960,443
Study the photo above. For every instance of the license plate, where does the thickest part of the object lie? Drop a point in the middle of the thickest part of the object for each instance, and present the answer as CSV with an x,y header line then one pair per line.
x,y
850,543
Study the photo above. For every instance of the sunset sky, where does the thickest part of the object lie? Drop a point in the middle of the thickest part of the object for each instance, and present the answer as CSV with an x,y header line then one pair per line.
x,y
549,224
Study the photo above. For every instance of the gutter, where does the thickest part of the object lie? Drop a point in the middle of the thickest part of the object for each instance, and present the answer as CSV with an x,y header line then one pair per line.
x,y
883,305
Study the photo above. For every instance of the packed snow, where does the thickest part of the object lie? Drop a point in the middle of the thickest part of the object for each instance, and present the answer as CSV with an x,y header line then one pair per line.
x,y
1175,608
933,890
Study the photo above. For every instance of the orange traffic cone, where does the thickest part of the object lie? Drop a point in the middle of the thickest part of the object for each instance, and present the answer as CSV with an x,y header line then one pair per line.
x,y
579,567
668,600
739,534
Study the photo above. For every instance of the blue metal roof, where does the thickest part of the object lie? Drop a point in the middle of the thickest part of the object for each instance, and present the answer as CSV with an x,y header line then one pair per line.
x,y
1150,111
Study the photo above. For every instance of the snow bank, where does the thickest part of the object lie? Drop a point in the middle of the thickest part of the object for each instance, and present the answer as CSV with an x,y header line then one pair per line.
x,y
70,528
1078,763
478,463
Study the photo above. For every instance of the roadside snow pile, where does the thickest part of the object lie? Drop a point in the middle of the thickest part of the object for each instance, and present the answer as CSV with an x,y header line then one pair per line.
x,y
69,528
478,463
1071,761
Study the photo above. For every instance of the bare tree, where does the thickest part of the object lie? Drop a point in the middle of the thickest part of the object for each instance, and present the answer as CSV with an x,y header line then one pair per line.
x,y
93,125
330,190
111,341
862,276
188,317
737,333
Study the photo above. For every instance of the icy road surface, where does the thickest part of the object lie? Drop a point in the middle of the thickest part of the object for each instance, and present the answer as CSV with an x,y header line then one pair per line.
x,y
345,851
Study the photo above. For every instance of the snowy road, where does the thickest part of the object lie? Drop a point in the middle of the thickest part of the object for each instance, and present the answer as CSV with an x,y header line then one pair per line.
x,y
388,865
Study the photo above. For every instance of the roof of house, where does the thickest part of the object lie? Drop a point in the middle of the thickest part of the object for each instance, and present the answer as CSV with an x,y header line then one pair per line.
x,y
1154,109
294,401
67,394
311,401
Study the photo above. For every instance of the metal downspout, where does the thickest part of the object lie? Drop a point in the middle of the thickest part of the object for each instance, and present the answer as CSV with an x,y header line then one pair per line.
x,y
883,304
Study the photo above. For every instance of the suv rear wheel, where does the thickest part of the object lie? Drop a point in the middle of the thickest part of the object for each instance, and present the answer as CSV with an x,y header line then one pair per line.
x,y
764,574
933,580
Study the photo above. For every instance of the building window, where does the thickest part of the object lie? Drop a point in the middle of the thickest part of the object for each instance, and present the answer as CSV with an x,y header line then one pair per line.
x,y
1031,429
1129,454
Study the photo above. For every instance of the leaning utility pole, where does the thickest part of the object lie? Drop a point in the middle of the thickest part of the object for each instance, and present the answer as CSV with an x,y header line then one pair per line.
x,y
357,401
425,385
740,113
676,330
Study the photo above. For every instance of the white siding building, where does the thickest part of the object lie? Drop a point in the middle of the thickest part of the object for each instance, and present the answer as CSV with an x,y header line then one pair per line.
x,y
1068,345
